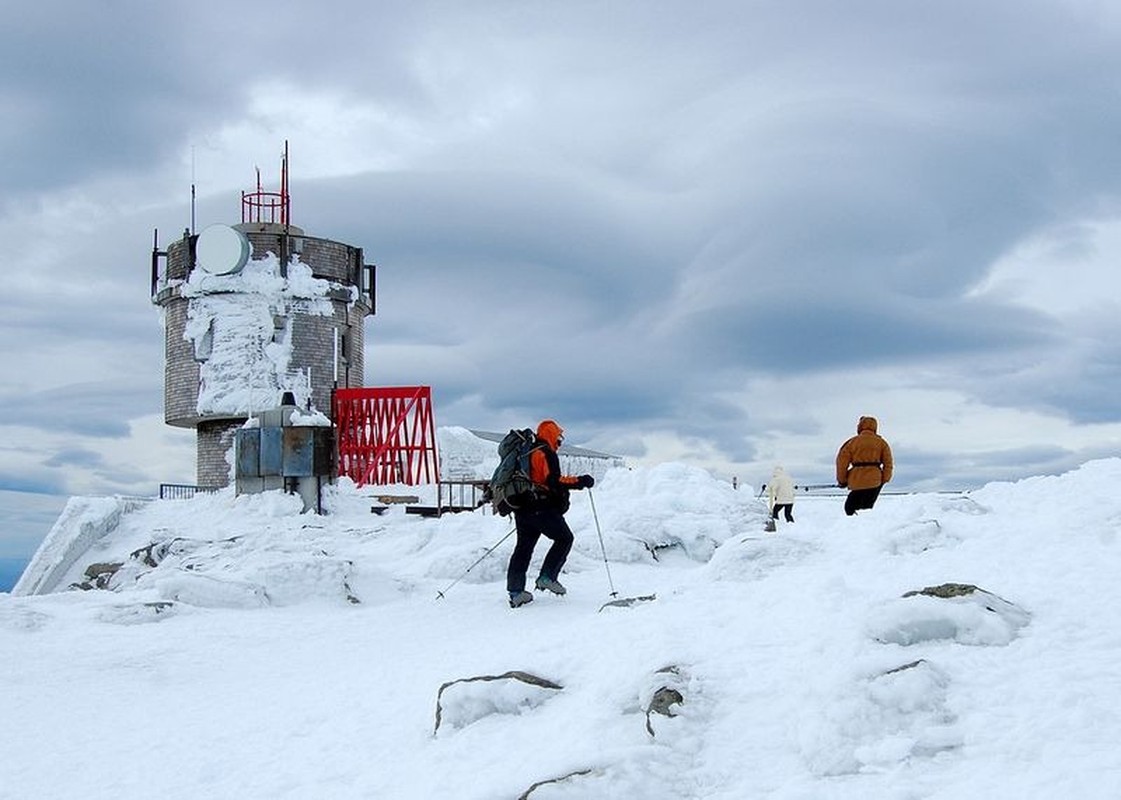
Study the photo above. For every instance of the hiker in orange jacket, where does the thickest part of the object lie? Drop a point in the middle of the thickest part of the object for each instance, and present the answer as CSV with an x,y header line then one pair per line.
x,y
543,515
864,465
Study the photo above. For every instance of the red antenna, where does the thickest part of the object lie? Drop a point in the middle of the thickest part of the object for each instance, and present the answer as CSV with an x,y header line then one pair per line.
x,y
269,207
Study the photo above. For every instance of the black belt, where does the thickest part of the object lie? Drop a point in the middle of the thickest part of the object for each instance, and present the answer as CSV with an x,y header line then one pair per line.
x,y
866,463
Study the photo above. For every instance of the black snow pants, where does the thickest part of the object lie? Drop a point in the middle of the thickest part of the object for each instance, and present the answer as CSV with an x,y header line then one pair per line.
x,y
860,499
531,525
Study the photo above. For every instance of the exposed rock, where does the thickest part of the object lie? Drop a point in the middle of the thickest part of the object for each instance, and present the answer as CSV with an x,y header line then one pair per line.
x,y
664,699
627,602
658,549
525,795
904,667
150,555
105,568
98,575
496,703
960,612
1012,613
945,590
666,695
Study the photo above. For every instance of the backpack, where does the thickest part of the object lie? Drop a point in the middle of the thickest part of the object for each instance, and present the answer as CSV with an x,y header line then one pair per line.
x,y
510,487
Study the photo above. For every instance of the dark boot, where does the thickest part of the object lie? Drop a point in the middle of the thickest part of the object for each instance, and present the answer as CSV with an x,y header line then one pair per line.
x,y
545,583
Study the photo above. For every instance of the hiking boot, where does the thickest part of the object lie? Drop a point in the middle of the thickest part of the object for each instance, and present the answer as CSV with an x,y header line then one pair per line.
x,y
520,599
547,584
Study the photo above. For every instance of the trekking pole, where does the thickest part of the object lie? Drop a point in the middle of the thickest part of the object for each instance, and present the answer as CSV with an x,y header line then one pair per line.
x,y
603,549
769,526
440,595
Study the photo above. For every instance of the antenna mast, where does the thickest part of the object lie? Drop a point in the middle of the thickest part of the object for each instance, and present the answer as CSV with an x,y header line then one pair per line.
x,y
192,190
286,208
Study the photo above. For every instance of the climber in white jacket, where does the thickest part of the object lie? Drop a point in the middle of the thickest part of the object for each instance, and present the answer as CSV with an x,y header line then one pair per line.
x,y
780,494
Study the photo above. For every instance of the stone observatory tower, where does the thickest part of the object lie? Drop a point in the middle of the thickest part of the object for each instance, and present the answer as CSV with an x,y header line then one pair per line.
x,y
254,312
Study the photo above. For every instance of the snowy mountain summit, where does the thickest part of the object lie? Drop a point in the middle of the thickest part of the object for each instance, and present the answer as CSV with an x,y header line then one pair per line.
x,y
941,645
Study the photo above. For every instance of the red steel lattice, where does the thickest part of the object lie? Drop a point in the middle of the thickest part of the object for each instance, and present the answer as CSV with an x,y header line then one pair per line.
x,y
387,435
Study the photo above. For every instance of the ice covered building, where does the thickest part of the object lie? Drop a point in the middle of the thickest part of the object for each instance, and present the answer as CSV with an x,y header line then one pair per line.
x,y
253,312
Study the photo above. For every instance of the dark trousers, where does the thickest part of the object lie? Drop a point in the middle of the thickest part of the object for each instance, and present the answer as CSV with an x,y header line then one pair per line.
x,y
531,525
787,508
859,499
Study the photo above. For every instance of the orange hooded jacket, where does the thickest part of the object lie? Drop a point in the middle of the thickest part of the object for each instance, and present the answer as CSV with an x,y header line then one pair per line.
x,y
544,466
864,461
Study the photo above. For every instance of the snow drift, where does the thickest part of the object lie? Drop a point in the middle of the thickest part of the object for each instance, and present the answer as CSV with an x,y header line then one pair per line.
x,y
938,646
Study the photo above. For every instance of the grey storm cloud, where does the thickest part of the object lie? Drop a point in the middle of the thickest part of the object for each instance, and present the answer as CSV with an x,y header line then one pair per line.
x,y
953,471
622,215
91,90
93,409
1082,382
75,457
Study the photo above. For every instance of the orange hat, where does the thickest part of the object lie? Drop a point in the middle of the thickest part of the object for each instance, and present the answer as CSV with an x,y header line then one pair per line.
x,y
551,432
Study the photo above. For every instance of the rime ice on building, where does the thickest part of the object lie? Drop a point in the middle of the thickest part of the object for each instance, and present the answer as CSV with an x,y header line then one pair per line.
x,y
252,311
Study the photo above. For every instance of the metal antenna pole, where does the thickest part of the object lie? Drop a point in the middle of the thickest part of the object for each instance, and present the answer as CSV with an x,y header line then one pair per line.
x,y
192,190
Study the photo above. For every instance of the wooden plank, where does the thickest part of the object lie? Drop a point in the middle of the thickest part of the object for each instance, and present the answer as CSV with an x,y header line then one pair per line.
x,y
390,499
424,511
436,511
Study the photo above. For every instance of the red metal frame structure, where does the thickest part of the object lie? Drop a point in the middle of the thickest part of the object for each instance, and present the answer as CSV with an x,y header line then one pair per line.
x,y
271,207
386,435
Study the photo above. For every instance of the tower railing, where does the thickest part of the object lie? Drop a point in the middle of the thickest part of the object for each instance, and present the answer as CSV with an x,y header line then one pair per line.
x,y
265,207
269,207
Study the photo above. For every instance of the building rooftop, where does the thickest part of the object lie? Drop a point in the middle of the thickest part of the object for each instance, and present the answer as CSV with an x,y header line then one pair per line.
x,y
565,449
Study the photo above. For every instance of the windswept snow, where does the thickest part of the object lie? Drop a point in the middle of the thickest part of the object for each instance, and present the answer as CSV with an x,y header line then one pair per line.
x,y
939,646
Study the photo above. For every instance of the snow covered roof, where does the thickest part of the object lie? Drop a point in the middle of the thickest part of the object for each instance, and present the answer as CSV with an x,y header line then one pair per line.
x,y
565,448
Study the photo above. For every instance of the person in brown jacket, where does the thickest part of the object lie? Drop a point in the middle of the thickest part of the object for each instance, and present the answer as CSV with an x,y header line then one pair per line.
x,y
864,465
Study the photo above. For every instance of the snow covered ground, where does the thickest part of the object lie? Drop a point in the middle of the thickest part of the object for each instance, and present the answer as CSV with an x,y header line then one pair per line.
x,y
246,650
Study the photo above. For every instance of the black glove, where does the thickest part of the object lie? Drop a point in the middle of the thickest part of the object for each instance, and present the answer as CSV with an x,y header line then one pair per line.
x,y
585,482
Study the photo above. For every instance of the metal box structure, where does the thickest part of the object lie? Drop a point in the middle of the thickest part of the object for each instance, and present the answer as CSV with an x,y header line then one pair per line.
x,y
282,453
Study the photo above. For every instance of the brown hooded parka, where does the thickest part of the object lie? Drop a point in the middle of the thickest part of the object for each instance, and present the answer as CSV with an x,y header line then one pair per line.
x,y
864,461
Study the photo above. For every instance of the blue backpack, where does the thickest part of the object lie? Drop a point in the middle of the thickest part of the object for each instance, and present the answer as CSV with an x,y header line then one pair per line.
x,y
510,486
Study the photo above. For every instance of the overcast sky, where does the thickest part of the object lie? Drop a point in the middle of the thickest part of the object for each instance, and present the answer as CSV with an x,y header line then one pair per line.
x,y
712,232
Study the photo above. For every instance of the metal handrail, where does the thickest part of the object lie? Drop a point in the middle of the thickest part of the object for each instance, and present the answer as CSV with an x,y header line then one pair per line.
x,y
181,491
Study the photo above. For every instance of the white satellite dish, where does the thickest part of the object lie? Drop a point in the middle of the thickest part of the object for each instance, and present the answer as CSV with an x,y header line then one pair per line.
x,y
222,250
